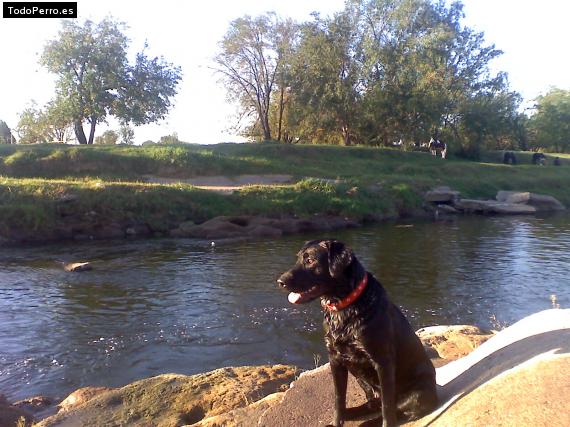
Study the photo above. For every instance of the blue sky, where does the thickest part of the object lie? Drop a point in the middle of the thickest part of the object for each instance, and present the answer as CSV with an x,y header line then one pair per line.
x,y
533,35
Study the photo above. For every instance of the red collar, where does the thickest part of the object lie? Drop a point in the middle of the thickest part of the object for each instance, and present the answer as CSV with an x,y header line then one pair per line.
x,y
353,296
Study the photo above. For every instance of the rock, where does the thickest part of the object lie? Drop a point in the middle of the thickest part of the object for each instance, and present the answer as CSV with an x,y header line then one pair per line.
x,y
138,230
493,207
38,406
77,266
512,197
244,226
174,400
541,202
441,195
11,415
80,396
109,231
242,417
447,209
453,342
34,404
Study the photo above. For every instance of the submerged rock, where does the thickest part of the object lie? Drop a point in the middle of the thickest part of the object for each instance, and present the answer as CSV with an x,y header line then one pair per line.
x,y
77,266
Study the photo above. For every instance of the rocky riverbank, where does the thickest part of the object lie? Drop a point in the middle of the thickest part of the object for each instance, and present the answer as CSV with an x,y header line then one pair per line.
x,y
514,377
72,224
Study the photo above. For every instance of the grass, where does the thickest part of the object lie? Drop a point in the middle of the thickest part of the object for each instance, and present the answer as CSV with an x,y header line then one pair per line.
x,y
108,185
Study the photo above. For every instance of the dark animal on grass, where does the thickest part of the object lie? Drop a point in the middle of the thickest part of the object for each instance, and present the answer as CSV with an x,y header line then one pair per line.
x,y
538,159
365,334
509,158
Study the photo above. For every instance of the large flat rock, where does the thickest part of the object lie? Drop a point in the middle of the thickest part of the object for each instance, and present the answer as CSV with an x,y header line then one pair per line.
x,y
541,202
493,207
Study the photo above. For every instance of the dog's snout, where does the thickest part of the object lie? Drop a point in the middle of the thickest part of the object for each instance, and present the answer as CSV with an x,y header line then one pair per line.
x,y
284,279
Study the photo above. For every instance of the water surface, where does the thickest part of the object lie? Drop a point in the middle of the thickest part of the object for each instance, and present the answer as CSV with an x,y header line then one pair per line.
x,y
158,306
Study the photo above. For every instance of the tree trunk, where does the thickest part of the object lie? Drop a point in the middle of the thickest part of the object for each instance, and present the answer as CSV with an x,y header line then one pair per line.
x,y
79,134
281,108
92,130
346,135
266,128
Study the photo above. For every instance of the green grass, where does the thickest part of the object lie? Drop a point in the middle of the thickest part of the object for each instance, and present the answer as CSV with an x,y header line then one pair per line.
x,y
107,182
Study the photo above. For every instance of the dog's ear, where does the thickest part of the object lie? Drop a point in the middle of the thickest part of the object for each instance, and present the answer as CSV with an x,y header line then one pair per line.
x,y
340,257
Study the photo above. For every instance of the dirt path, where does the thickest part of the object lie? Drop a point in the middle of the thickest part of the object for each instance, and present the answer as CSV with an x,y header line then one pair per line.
x,y
225,184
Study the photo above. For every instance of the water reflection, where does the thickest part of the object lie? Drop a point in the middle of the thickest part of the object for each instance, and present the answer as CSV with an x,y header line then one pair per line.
x,y
181,306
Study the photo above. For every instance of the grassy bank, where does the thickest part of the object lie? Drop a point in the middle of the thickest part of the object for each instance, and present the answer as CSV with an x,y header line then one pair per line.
x,y
45,188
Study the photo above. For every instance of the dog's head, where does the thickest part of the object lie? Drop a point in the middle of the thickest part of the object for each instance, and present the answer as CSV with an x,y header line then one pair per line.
x,y
321,270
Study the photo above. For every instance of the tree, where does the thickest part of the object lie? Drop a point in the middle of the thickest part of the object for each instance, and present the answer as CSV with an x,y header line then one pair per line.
x,y
326,87
248,62
127,134
58,121
6,136
550,124
96,80
31,126
109,137
488,120
51,124
169,139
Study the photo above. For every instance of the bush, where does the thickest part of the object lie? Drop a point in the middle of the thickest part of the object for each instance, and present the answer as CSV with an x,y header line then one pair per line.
x,y
109,137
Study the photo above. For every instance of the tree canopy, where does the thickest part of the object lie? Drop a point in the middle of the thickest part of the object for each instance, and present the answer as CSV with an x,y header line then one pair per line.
x,y
248,64
550,124
95,79
375,72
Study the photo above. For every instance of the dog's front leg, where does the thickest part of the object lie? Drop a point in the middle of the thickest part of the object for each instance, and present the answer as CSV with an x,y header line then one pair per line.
x,y
340,379
387,375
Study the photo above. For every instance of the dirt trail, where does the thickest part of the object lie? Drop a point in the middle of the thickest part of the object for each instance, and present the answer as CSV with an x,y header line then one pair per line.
x,y
225,184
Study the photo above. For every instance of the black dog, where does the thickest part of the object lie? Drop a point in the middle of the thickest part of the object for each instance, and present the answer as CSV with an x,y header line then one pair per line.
x,y
365,334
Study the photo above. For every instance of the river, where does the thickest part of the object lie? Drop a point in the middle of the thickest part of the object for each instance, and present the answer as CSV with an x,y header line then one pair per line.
x,y
159,306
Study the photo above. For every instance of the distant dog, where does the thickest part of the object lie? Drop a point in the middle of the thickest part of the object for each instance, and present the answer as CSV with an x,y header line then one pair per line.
x,y
365,334
509,158
538,159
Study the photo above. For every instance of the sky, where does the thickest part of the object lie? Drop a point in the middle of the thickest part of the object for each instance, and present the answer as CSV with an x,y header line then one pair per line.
x,y
534,36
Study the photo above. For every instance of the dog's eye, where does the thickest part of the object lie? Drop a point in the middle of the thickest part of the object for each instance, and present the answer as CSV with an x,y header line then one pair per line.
x,y
309,261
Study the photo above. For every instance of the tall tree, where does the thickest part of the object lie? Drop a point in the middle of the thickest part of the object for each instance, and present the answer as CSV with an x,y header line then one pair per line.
x,y
96,80
248,62
127,134
326,84
550,124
